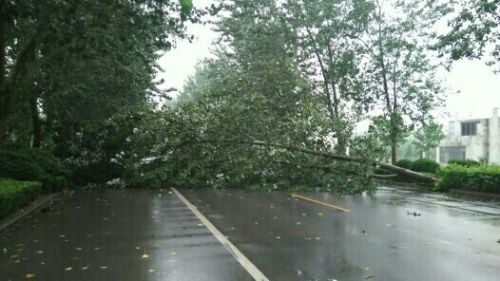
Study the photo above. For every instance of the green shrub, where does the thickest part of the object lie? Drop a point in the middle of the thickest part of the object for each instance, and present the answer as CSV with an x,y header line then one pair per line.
x,y
54,184
405,163
20,167
465,163
425,166
477,178
47,161
34,165
16,194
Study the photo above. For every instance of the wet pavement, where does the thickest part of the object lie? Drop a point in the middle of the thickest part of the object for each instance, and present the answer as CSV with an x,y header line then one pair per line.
x,y
115,235
151,235
390,235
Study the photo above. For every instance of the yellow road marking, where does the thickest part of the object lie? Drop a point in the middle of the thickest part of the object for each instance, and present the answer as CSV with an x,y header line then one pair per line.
x,y
294,195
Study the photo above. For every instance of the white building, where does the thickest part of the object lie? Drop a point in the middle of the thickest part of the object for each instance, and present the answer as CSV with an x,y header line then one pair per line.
x,y
476,139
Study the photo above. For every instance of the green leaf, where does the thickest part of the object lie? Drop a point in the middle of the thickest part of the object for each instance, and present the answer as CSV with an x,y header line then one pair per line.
x,y
186,6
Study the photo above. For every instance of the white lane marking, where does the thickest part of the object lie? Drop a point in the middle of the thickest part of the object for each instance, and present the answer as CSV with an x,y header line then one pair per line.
x,y
244,261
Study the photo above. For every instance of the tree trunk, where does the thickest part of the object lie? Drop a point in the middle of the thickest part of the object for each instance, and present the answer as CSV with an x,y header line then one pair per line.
x,y
394,150
35,120
328,155
3,88
5,109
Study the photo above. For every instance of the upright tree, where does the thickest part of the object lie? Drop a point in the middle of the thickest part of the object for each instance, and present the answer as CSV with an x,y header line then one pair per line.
x,y
88,49
399,70
428,136
325,32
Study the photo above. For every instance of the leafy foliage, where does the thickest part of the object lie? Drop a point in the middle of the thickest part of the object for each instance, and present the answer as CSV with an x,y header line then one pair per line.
x,y
428,136
16,194
465,163
405,163
400,73
287,84
474,31
29,165
476,178
425,165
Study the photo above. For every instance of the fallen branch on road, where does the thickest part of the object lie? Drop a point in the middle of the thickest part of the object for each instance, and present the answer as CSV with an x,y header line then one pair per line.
x,y
328,155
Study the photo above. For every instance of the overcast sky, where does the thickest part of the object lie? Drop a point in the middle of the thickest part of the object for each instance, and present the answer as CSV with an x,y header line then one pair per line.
x,y
479,87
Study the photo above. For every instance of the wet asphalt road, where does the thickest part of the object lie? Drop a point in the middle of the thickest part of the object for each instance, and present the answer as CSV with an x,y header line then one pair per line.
x,y
152,235
291,239
115,235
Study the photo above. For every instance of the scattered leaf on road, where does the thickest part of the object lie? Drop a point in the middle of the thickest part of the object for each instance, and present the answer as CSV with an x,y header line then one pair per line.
x,y
145,256
30,276
104,267
69,268
173,253
320,214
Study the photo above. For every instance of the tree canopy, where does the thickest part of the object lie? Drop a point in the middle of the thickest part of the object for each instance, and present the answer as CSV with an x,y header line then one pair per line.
x,y
277,105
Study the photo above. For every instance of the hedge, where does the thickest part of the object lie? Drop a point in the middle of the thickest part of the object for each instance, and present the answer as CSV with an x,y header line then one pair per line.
x,y
478,178
405,164
420,165
465,163
16,194
34,165
425,166
47,161
20,167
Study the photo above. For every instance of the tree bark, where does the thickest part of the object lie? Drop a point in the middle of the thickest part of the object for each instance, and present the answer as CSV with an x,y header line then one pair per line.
x,y
390,167
394,149
35,121
328,155
19,70
3,88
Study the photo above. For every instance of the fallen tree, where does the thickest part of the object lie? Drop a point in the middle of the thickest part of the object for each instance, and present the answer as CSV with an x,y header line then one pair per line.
x,y
329,155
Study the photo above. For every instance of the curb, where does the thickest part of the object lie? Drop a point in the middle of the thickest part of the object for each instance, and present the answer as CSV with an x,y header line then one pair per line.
x,y
476,194
21,213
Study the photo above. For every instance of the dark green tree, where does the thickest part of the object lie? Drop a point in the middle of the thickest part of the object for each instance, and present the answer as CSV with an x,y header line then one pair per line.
x,y
94,51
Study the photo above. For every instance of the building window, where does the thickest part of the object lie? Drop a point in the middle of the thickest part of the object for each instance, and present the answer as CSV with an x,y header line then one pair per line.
x,y
469,128
447,153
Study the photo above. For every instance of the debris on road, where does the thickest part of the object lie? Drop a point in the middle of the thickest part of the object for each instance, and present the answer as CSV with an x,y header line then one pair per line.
x,y
415,214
